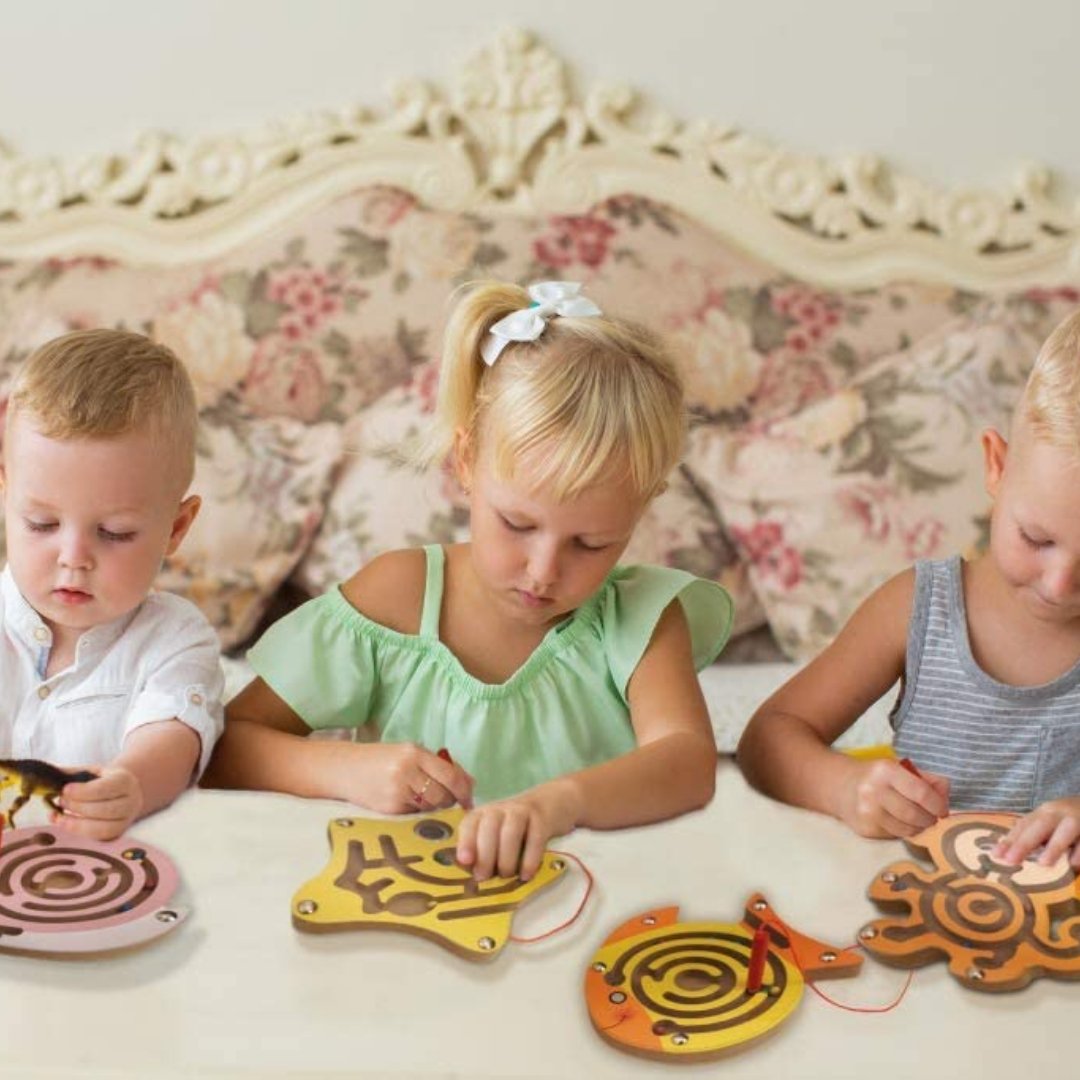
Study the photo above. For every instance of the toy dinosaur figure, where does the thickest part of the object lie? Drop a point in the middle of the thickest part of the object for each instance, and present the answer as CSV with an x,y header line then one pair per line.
x,y
37,778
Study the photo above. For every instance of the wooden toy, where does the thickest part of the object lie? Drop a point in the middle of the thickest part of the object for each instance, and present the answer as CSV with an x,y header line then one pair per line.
x,y
402,875
64,895
682,991
35,777
999,926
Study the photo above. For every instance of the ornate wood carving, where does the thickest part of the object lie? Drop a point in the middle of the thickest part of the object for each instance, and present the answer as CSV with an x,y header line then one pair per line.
x,y
511,138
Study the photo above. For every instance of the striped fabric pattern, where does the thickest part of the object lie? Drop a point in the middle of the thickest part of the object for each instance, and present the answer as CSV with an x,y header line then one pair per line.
x,y
1003,747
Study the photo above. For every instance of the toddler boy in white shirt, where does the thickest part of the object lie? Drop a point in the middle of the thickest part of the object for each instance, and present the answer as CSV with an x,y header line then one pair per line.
x,y
97,671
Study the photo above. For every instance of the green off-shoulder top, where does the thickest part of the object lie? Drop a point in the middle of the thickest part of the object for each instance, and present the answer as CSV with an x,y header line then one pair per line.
x,y
565,708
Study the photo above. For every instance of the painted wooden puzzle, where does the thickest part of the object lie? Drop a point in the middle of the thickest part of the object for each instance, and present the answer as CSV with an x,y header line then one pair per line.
x,y
693,991
65,895
999,926
402,875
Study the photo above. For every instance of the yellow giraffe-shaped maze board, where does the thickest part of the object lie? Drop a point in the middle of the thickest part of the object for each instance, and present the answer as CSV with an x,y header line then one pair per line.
x,y
403,875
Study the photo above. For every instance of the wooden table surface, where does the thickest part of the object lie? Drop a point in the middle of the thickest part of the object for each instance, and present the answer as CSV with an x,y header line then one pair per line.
x,y
237,992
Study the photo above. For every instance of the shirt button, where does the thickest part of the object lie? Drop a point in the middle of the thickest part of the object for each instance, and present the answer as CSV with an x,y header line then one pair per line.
x,y
196,699
43,692
41,634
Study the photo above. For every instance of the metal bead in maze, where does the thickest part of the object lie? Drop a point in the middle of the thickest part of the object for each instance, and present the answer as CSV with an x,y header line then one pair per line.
x,y
690,981
62,893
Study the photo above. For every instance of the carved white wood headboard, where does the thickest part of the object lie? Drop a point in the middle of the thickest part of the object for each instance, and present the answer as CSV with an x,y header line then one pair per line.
x,y
511,138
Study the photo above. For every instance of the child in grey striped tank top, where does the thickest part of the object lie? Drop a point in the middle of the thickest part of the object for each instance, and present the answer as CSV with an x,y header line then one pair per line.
x,y
987,654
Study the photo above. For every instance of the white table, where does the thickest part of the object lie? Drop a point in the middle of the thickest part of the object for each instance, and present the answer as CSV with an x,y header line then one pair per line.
x,y
237,992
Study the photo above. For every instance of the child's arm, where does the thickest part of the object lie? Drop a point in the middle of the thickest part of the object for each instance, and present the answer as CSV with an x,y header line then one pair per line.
x,y
171,726
265,746
785,750
1055,824
154,767
672,770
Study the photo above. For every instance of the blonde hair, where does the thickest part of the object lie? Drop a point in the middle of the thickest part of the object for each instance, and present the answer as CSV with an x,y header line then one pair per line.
x,y
590,397
1051,399
107,383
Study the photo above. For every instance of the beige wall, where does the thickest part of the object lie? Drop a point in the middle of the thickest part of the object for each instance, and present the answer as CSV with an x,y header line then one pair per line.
x,y
954,90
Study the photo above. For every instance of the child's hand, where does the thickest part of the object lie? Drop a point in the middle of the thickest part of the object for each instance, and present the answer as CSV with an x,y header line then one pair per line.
x,y
400,778
1055,824
884,799
103,808
509,837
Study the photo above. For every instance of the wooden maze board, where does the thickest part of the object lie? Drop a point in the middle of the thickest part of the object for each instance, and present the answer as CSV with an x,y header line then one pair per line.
x,y
999,926
402,875
64,895
678,991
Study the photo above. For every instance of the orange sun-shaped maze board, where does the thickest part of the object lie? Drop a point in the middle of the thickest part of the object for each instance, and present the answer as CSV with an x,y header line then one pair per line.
x,y
679,991
999,926
402,875
65,895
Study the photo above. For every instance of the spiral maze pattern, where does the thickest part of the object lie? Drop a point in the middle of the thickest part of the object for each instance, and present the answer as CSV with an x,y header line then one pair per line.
x,y
59,892
685,986
999,925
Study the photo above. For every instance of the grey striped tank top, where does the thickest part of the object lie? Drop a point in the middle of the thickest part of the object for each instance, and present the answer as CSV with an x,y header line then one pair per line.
x,y
1003,747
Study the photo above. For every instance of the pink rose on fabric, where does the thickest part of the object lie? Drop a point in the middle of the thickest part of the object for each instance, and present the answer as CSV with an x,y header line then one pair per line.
x,y
921,539
814,315
1048,296
785,387
784,565
573,240
285,381
758,540
311,296
866,503
384,208
773,559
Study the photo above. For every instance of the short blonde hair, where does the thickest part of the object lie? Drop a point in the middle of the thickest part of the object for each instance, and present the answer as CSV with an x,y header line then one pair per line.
x,y
589,397
1051,400
106,383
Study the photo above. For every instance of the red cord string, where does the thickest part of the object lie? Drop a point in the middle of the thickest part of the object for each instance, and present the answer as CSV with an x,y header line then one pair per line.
x,y
774,921
779,923
590,881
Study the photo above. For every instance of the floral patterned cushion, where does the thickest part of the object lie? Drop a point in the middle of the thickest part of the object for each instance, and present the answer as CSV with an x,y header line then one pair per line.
x,y
382,502
751,342
264,485
263,480
828,501
337,318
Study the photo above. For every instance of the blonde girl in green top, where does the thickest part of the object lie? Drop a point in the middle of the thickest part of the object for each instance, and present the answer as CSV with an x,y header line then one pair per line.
x,y
564,687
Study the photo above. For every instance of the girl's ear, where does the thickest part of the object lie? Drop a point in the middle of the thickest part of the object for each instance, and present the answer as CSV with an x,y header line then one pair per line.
x,y
994,450
463,459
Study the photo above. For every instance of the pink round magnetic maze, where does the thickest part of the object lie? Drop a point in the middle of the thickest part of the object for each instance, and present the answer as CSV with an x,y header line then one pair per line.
x,y
61,893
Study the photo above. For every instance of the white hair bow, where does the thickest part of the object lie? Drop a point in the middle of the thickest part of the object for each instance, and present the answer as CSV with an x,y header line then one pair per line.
x,y
549,298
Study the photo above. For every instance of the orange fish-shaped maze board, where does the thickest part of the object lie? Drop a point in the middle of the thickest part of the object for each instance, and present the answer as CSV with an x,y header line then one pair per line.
x,y
679,991
999,926
402,875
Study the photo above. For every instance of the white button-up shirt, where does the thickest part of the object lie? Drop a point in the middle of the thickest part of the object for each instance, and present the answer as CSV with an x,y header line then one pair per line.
x,y
159,662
